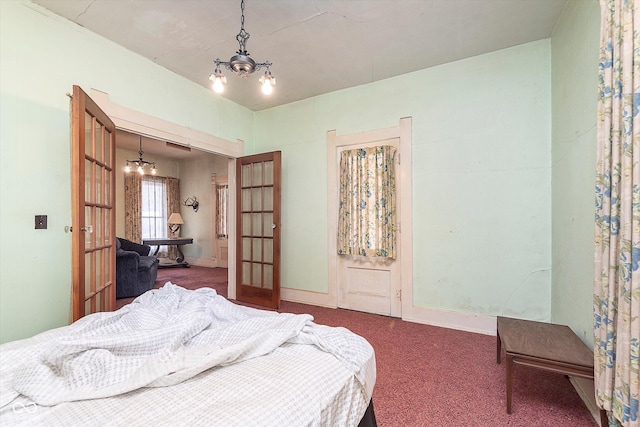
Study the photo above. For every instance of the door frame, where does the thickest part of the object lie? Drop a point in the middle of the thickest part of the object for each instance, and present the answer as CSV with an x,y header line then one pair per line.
x,y
403,132
144,124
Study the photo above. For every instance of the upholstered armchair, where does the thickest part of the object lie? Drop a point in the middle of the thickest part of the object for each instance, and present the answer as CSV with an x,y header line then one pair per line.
x,y
136,270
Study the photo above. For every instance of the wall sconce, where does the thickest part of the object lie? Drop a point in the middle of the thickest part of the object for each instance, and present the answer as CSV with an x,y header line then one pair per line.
x,y
175,221
193,202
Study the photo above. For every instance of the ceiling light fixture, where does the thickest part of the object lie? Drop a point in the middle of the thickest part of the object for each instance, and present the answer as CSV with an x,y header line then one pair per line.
x,y
242,64
141,165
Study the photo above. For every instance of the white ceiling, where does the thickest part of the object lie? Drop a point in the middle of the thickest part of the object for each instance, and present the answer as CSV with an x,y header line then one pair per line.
x,y
316,46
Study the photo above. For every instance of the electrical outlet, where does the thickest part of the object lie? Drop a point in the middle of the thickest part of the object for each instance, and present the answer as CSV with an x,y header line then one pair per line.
x,y
41,222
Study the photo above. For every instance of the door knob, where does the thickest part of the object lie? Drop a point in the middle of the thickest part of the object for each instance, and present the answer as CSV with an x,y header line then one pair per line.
x,y
88,228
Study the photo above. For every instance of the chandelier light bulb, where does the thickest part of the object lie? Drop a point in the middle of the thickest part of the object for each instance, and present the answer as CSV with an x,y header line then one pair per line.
x,y
267,89
153,171
140,170
127,168
268,82
218,84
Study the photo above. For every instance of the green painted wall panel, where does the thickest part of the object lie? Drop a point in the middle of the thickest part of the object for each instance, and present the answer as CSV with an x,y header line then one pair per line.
x,y
481,177
574,80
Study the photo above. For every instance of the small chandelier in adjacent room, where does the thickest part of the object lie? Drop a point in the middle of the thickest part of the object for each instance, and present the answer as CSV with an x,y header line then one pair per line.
x,y
242,64
141,165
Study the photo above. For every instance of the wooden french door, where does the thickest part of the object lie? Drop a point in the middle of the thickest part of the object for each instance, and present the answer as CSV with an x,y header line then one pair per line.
x,y
258,229
93,207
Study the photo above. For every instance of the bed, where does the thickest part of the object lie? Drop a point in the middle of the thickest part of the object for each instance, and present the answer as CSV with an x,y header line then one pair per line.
x,y
181,357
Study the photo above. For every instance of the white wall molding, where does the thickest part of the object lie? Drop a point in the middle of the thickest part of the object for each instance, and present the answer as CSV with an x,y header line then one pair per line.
x,y
469,322
137,122
202,262
308,297
585,389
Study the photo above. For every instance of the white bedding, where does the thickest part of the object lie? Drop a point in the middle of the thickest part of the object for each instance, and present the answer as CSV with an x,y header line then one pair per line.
x,y
173,357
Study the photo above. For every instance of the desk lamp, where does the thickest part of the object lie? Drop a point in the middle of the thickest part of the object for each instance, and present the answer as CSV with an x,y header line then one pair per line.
x,y
175,220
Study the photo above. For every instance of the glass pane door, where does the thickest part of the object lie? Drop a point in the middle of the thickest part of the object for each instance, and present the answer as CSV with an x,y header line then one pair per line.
x,y
258,232
93,143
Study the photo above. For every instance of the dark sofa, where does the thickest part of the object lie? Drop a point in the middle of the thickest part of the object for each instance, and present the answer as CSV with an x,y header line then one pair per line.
x,y
136,270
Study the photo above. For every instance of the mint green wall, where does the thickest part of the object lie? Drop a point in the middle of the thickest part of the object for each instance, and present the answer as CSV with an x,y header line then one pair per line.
x,y
195,180
42,57
481,178
574,59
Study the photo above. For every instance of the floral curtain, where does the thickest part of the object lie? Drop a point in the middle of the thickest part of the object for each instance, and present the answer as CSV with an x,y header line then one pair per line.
x,y
617,219
222,196
173,205
133,207
367,204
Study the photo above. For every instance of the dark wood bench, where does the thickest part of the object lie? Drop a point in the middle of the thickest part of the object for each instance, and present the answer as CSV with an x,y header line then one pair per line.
x,y
546,346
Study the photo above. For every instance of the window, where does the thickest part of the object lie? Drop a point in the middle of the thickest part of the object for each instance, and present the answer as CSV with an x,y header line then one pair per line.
x,y
154,208
222,201
367,202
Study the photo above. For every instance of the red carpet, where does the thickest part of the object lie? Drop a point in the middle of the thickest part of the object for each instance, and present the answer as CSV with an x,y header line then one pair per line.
x,y
430,376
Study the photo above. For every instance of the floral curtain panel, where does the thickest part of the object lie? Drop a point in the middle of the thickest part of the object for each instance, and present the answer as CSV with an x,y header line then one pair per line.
x,y
617,219
367,204
173,205
133,207
222,196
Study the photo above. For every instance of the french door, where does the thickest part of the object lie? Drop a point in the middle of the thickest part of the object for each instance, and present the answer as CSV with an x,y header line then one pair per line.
x,y
93,207
258,229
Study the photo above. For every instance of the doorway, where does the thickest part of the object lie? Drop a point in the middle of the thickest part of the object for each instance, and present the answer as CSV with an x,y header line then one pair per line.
x,y
193,169
139,123
374,285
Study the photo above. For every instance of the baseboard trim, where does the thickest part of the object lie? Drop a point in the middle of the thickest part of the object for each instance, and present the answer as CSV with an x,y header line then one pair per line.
x,y
307,297
202,262
585,389
469,322
450,319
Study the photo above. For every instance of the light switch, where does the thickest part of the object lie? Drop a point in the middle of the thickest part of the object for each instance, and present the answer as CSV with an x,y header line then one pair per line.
x,y
41,222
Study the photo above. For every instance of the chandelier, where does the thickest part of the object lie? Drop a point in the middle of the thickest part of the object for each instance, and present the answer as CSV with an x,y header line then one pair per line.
x,y
141,165
242,64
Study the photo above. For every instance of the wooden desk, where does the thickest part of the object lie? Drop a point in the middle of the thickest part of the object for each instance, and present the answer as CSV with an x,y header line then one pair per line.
x,y
178,242
545,346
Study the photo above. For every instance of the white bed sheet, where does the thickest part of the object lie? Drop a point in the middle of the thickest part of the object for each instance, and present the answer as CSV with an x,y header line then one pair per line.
x,y
292,385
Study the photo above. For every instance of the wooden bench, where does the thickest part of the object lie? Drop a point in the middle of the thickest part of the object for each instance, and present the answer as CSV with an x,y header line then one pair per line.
x,y
546,346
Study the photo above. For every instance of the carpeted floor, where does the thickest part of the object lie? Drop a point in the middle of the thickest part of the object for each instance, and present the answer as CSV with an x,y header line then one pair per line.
x,y
430,376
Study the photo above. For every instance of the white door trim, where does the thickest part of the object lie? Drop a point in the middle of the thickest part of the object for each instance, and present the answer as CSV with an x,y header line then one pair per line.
x,y
143,124
403,132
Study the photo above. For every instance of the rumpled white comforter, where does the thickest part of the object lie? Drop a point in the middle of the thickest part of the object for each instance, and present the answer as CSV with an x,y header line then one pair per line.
x,y
163,338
